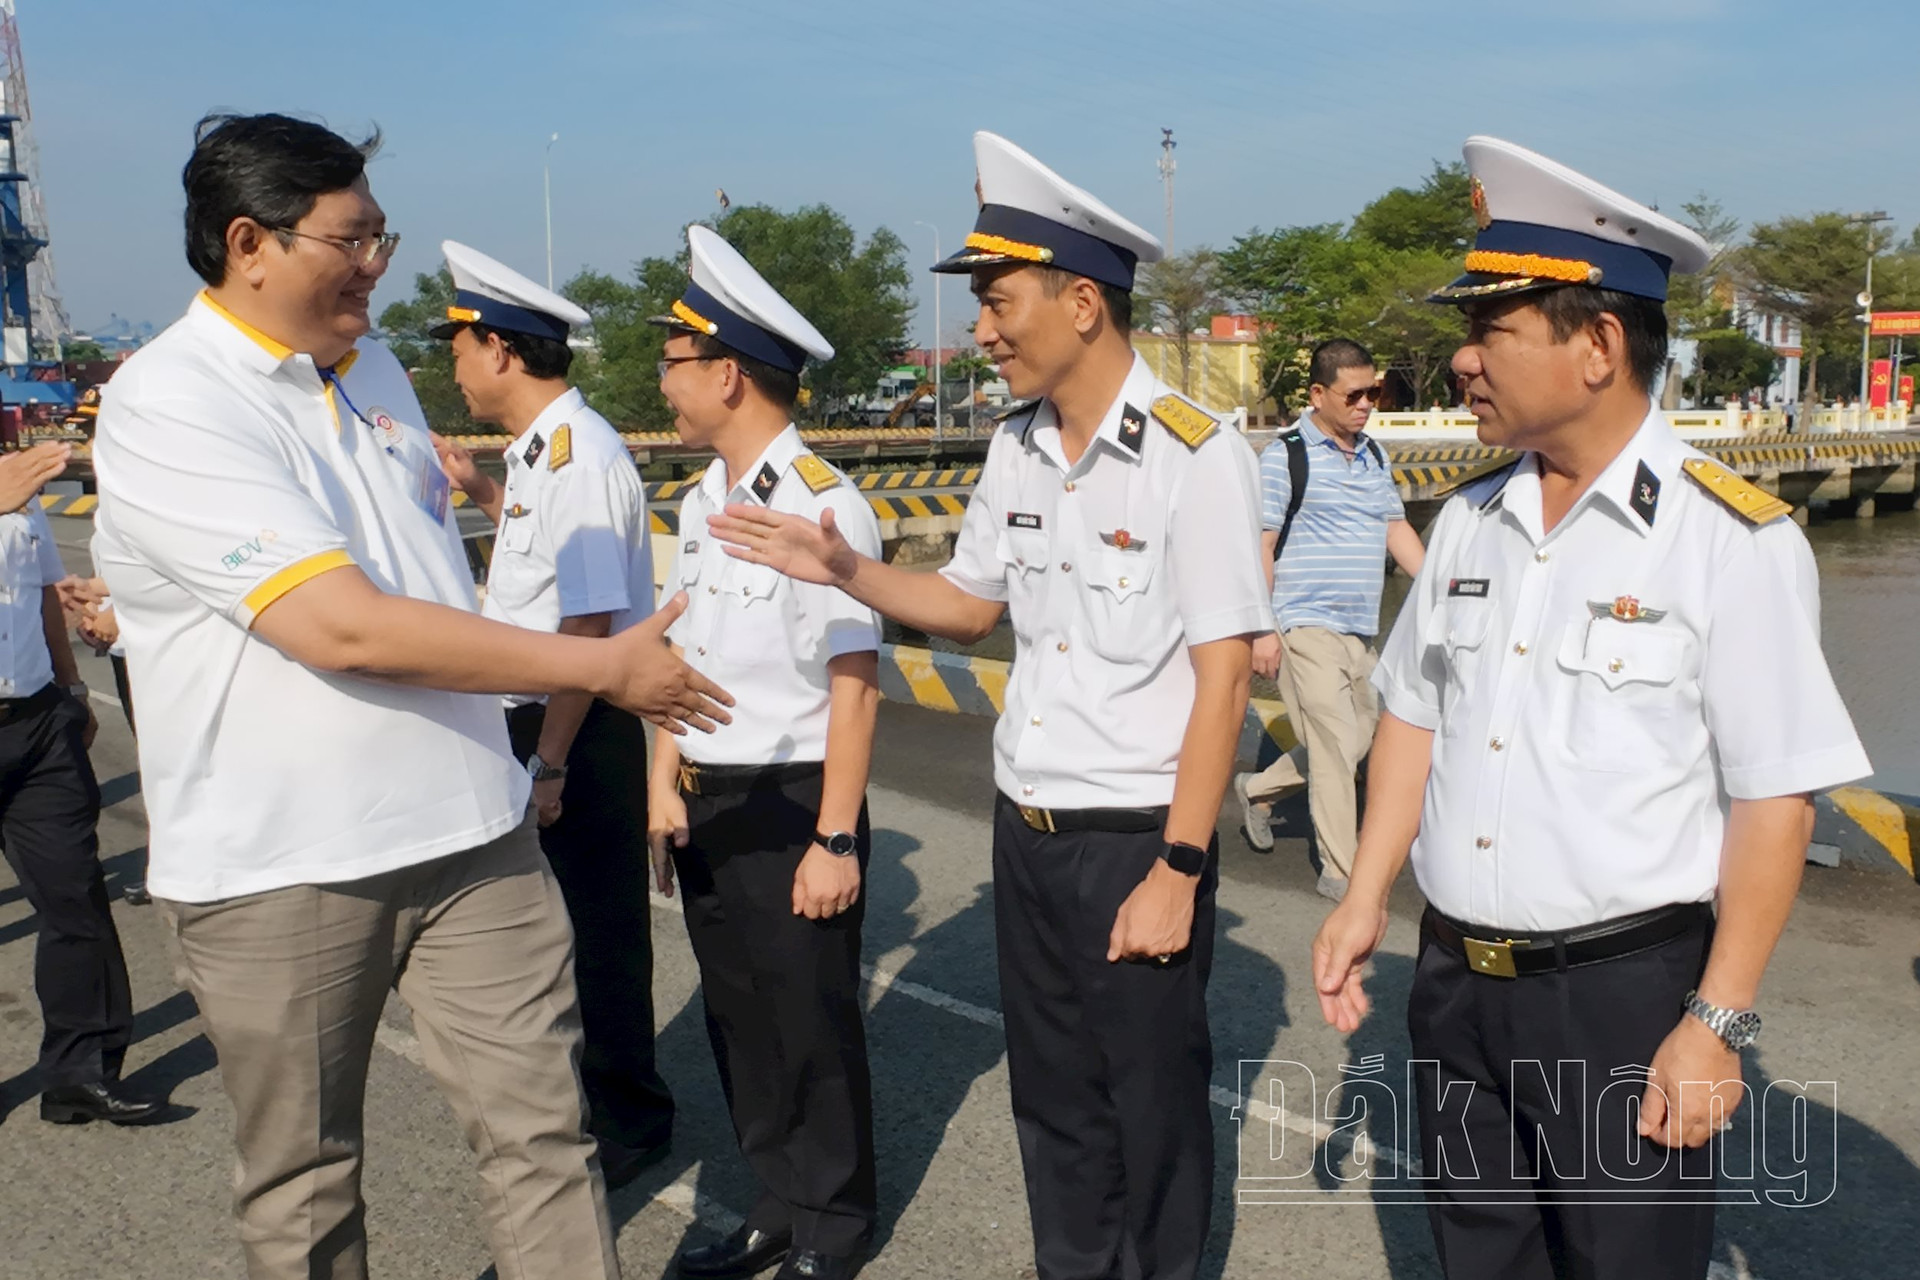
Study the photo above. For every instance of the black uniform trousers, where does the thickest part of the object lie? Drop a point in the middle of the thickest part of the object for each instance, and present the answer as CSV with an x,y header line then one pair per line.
x,y
1588,1198
598,851
1110,1064
782,997
49,809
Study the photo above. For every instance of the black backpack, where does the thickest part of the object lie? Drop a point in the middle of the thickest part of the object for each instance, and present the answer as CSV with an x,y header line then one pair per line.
x,y
1297,478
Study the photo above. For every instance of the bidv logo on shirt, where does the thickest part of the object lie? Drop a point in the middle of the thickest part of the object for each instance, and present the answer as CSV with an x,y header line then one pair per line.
x,y
248,550
1475,587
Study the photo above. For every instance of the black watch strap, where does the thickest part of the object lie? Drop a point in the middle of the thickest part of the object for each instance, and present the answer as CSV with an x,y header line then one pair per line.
x,y
840,844
1187,859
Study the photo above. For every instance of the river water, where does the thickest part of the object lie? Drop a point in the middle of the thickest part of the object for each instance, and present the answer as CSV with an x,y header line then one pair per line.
x,y
1870,619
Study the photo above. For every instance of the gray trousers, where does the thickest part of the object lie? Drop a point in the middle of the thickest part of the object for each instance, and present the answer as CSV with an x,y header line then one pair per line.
x,y
291,983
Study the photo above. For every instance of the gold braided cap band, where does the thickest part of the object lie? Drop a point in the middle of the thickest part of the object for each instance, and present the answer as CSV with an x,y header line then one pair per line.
x,y
1008,248
693,319
1569,270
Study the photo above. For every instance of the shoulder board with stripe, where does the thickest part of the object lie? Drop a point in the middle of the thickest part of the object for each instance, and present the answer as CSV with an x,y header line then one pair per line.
x,y
817,475
1187,420
1741,496
560,448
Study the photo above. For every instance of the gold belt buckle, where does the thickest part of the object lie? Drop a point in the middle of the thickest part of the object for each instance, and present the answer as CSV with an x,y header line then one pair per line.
x,y
1038,819
689,779
1492,958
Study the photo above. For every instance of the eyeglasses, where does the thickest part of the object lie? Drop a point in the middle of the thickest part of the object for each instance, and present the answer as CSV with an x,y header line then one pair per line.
x,y
1370,394
365,252
671,361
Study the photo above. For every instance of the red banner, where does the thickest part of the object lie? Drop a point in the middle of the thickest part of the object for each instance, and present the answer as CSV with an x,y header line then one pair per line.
x,y
1880,384
1906,389
1888,324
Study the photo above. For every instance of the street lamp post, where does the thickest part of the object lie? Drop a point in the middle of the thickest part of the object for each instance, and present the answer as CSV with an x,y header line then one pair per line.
x,y
936,327
1866,300
546,176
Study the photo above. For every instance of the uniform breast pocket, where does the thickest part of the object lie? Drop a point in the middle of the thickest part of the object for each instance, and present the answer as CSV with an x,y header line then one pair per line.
x,y
1127,604
753,628
517,537
1023,553
1459,629
1625,692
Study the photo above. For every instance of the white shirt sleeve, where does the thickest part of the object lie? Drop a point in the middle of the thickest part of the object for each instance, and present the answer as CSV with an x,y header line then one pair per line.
x,y
51,568
847,625
220,513
595,521
1775,717
1213,546
975,566
1412,672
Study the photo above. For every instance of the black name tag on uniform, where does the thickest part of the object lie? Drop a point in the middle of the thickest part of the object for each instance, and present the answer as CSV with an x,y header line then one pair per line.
x,y
1476,587
1022,520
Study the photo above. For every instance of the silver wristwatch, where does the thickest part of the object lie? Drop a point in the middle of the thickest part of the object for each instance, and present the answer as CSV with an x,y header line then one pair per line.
x,y
1737,1028
541,771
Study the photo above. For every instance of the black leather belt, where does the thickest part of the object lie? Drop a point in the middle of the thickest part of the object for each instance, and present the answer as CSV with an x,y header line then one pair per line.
x,y
12,709
1125,821
1490,951
733,779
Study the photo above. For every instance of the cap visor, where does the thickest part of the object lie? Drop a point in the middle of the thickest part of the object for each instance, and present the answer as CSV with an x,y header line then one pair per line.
x,y
968,259
446,329
1476,285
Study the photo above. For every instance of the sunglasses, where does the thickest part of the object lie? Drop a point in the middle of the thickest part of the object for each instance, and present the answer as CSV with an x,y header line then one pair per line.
x,y
1370,394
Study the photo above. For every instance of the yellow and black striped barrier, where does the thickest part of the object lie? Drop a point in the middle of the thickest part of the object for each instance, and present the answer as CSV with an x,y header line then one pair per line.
x,y
1876,830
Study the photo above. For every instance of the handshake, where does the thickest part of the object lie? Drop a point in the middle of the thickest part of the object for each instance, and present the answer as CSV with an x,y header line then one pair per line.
x,y
88,611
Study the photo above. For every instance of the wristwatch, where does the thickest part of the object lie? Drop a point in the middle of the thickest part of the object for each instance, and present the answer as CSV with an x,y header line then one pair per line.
x,y
541,771
1738,1028
77,691
840,844
1187,859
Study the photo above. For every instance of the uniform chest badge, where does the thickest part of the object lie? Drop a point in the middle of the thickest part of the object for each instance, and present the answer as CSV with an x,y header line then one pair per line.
x,y
1625,609
1122,540
534,450
383,423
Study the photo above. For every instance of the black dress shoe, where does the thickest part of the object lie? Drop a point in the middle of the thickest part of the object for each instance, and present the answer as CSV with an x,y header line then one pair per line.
x,y
621,1164
98,1100
747,1252
805,1264
137,895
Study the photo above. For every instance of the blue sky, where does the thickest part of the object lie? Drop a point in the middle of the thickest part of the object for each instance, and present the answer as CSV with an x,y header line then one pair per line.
x,y
1285,112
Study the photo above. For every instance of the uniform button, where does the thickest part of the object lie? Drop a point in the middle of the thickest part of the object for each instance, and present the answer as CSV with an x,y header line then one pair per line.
x,y
1062,646
1498,744
746,591
1616,666
1026,791
1065,567
1069,486
701,650
1123,582
713,590
1520,647
1540,557
1036,721
1484,842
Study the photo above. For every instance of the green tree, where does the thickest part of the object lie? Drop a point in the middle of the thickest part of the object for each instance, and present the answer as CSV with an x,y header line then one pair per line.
x,y
1405,332
82,351
1436,216
1697,303
1178,295
428,360
1295,281
1809,269
1730,363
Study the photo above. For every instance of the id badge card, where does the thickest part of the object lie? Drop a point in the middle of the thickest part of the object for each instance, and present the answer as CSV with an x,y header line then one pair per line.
x,y
431,491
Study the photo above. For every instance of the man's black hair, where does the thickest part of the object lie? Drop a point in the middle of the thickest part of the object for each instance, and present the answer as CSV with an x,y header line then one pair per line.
x,y
1644,320
271,168
1333,355
782,386
1119,301
541,357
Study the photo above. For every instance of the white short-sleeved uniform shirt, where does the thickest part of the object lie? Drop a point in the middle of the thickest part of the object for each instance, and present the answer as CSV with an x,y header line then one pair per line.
x,y
30,560
762,636
573,537
1111,568
230,472
1600,693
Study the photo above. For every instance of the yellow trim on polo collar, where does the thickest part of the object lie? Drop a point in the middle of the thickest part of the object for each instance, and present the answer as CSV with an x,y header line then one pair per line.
x,y
272,346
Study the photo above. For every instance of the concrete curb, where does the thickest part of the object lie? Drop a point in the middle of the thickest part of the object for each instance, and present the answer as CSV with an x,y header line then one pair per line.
x,y
1871,830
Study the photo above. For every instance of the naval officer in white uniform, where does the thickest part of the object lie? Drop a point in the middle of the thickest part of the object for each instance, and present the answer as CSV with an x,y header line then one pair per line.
x,y
1606,709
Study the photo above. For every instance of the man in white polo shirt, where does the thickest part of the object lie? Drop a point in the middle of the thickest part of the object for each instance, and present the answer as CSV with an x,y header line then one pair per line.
x,y
335,809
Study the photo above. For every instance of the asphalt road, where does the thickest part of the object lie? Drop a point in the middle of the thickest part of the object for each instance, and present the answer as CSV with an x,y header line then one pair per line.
x,y
1842,1004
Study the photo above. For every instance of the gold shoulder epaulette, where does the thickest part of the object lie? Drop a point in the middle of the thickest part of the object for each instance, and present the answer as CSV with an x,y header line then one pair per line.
x,y
817,475
560,452
1188,421
1746,499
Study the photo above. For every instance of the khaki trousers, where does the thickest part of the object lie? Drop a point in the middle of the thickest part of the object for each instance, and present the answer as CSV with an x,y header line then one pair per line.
x,y
1326,680
291,983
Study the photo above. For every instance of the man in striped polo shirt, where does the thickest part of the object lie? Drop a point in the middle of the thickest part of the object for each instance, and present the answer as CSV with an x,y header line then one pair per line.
x,y
1326,542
